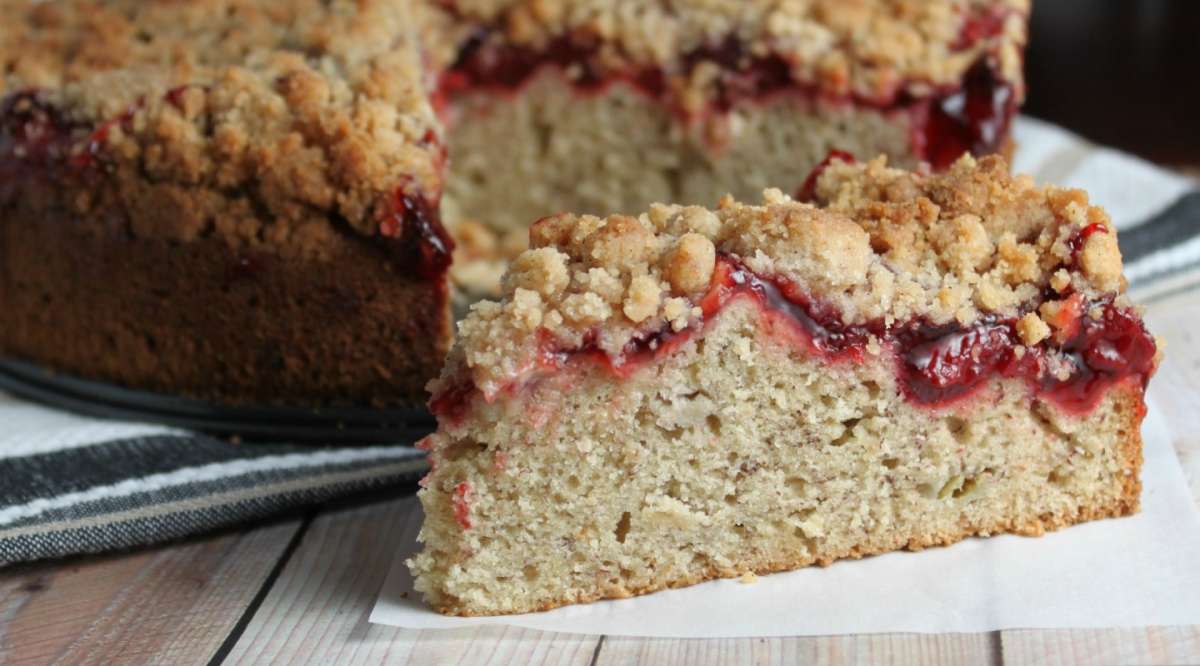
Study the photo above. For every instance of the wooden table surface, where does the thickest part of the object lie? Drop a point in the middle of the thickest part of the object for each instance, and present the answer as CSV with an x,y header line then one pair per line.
x,y
300,591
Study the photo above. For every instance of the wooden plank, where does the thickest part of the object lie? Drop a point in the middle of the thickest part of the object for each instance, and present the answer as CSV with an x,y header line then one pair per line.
x,y
170,605
317,610
1130,647
923,649
501,645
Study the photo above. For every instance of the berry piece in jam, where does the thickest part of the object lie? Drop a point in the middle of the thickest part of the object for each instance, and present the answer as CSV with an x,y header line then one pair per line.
x,y
944,363
1104,351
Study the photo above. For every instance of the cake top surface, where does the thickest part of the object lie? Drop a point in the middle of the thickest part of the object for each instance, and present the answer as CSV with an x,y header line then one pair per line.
x,y
872,49
879,245
314,104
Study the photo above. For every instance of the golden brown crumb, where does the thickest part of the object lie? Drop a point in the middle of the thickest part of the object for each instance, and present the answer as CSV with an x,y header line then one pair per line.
x,y
880,244
1032,329
689,265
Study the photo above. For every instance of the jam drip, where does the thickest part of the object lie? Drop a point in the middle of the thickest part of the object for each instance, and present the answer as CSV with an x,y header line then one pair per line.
x,y
974,118
34,132
483,63
416,236
820,325
937,365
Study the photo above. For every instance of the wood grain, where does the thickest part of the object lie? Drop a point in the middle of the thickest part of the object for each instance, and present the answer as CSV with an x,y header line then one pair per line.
x,y
170,605
929,650
1129,647
317,610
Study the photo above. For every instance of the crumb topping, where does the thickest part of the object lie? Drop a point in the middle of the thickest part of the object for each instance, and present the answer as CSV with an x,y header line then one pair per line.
x,y
874,49
877,244
299,108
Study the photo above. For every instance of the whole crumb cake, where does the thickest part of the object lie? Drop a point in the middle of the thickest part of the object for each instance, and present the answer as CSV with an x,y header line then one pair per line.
x,y
904,360
242,200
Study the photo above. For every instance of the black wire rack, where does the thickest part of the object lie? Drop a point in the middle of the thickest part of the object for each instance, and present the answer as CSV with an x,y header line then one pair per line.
x,y
327,425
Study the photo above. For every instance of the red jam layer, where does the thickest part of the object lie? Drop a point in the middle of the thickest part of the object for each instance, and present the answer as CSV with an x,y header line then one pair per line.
x,y
36,139
974,117
937,365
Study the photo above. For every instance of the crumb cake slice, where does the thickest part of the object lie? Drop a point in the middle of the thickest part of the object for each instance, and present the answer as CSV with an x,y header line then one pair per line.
x,y
230,199
906,361
605,106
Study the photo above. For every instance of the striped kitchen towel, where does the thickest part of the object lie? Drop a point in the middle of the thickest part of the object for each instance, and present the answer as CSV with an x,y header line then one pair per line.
x,y
73,484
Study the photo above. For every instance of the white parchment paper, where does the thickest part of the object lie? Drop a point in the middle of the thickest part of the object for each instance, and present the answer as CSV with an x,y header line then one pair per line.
x,y
1137,571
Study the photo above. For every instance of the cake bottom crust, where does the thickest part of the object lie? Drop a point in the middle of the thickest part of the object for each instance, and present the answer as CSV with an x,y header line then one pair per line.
x,y
1048,522
200,319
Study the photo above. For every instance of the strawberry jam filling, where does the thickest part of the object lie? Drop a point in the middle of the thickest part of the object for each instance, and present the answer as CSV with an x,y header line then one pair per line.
x,y
973,117
1099,345
40,147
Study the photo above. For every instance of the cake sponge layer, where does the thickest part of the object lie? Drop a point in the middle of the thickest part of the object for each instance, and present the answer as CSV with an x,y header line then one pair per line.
x,y
739,452
551,148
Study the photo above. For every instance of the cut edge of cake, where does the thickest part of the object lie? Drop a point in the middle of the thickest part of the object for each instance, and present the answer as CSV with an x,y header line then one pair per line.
x,y
908,360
